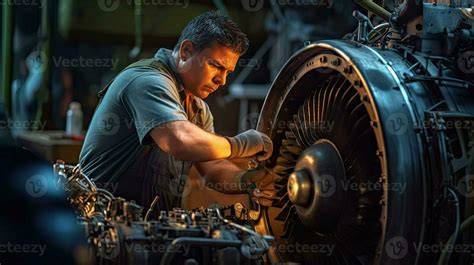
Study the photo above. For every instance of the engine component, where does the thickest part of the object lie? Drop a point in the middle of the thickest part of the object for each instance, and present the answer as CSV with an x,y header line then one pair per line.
x,y
118,234
375,143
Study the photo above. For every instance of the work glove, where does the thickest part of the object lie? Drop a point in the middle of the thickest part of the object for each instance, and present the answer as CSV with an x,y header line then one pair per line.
x,y
250,143
259,184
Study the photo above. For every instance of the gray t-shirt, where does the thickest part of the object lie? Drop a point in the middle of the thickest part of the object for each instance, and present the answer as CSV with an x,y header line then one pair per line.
x,y
138,100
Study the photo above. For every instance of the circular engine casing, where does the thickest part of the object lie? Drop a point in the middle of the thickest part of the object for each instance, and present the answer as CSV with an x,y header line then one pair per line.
x,y
405,114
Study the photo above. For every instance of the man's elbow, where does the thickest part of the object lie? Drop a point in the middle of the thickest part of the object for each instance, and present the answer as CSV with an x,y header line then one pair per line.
x,y
172,143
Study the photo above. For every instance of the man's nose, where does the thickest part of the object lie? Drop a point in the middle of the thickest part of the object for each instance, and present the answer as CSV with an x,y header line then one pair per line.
x,y
220,79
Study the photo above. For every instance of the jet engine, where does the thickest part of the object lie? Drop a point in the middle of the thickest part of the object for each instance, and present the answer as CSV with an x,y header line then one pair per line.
x,y
374,142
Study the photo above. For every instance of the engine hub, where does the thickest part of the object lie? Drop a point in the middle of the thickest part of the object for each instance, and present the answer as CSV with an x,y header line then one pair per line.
x,y
315,187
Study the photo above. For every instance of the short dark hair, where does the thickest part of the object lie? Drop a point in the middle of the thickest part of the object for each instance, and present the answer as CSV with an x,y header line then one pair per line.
x,y
211,27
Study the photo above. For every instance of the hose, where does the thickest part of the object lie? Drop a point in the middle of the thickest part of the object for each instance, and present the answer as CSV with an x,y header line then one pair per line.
x,y
444,254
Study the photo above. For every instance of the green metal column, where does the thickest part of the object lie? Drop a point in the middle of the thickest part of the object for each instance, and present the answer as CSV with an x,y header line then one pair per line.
x,y
44,108
7,40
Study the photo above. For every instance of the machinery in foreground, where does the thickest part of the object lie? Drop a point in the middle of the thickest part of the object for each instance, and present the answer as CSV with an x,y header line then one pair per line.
x,y
118,233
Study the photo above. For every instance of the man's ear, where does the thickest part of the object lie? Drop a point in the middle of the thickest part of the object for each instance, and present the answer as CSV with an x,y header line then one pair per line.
x,y
186,50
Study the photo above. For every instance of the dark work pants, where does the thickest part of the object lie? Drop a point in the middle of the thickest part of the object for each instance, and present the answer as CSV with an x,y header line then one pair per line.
x,y
154,173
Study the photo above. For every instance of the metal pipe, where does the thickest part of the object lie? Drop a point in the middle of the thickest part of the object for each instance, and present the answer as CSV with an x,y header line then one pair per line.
x,y
374,8
138,12
7,36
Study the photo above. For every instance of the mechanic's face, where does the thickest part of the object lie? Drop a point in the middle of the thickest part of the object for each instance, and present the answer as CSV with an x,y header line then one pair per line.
x,y
205,71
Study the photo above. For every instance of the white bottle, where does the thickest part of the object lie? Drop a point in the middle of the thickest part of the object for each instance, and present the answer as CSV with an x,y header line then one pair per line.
x,y
74,119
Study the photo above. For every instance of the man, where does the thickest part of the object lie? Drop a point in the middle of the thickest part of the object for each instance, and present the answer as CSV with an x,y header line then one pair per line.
x,y
152,122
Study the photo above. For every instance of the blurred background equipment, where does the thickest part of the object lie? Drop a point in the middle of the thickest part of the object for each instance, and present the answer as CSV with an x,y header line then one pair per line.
x,y
375,136
38,226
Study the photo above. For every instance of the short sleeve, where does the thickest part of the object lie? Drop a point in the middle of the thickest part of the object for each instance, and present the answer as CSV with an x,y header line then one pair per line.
x,y
152,100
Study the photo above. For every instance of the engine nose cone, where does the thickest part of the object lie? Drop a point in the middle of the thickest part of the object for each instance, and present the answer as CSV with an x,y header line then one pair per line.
x,y
316,186
300,188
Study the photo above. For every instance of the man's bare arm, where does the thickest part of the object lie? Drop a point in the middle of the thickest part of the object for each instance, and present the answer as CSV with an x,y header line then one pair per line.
x,y
186,141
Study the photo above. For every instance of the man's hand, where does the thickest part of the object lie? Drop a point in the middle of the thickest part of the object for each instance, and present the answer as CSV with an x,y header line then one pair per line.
x,y
259,183
250,143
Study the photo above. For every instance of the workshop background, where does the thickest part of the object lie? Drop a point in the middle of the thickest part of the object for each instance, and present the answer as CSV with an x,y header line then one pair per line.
x,y
58,52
